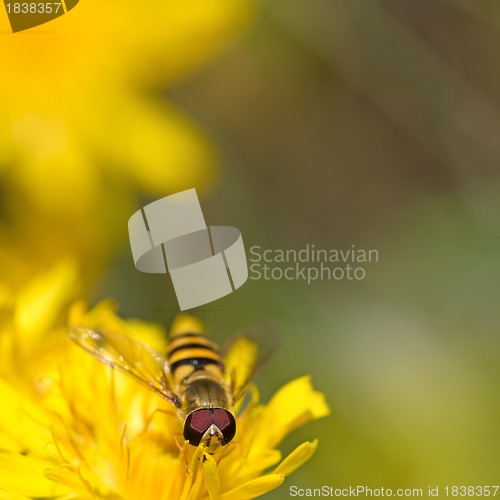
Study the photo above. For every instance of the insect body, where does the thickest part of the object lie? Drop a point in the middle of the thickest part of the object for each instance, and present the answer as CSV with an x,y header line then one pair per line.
x,y
198,372
191,376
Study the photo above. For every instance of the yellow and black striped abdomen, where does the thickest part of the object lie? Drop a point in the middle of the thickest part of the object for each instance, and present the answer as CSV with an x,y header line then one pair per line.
x,y
190,352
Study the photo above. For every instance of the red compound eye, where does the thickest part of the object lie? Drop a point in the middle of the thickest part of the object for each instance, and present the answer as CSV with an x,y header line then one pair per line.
x,y
224,420
196,425
198,422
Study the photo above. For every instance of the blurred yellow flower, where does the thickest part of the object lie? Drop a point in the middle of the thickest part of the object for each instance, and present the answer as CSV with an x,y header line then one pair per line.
x,y
84,127
78,429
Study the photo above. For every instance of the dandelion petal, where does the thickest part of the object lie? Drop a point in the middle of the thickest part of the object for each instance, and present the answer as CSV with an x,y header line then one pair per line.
x,y
211,477
254,488
300,455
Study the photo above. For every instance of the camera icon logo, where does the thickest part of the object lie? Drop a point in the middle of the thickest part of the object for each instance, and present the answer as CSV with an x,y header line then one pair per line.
x,y
205,262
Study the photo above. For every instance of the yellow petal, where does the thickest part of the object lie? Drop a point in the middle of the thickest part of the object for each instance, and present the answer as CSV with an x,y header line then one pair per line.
x,y
211,476
184,323
55,171
292,406
165,151
103,316
268,459
147,333
97,317
8,495
41,302
300,455
15,469
254,488
23,426
66,475
240,360
153,473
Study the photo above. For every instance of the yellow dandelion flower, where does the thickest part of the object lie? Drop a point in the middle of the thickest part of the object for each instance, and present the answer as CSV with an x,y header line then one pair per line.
x,y
85,126
78,429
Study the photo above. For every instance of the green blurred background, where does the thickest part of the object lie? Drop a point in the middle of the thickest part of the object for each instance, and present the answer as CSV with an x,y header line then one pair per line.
x,y
374,123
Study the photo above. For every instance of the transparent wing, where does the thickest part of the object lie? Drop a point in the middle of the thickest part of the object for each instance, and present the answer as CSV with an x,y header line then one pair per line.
x,y
140,361
245,354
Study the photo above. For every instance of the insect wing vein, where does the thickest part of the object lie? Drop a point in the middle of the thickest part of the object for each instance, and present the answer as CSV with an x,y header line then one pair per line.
x,y
138,360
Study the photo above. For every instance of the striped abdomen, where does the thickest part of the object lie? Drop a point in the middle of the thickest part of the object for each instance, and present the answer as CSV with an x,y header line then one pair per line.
x,y
198,372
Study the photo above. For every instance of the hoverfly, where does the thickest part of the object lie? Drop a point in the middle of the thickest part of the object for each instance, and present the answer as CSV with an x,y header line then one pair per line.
x,y
191,375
